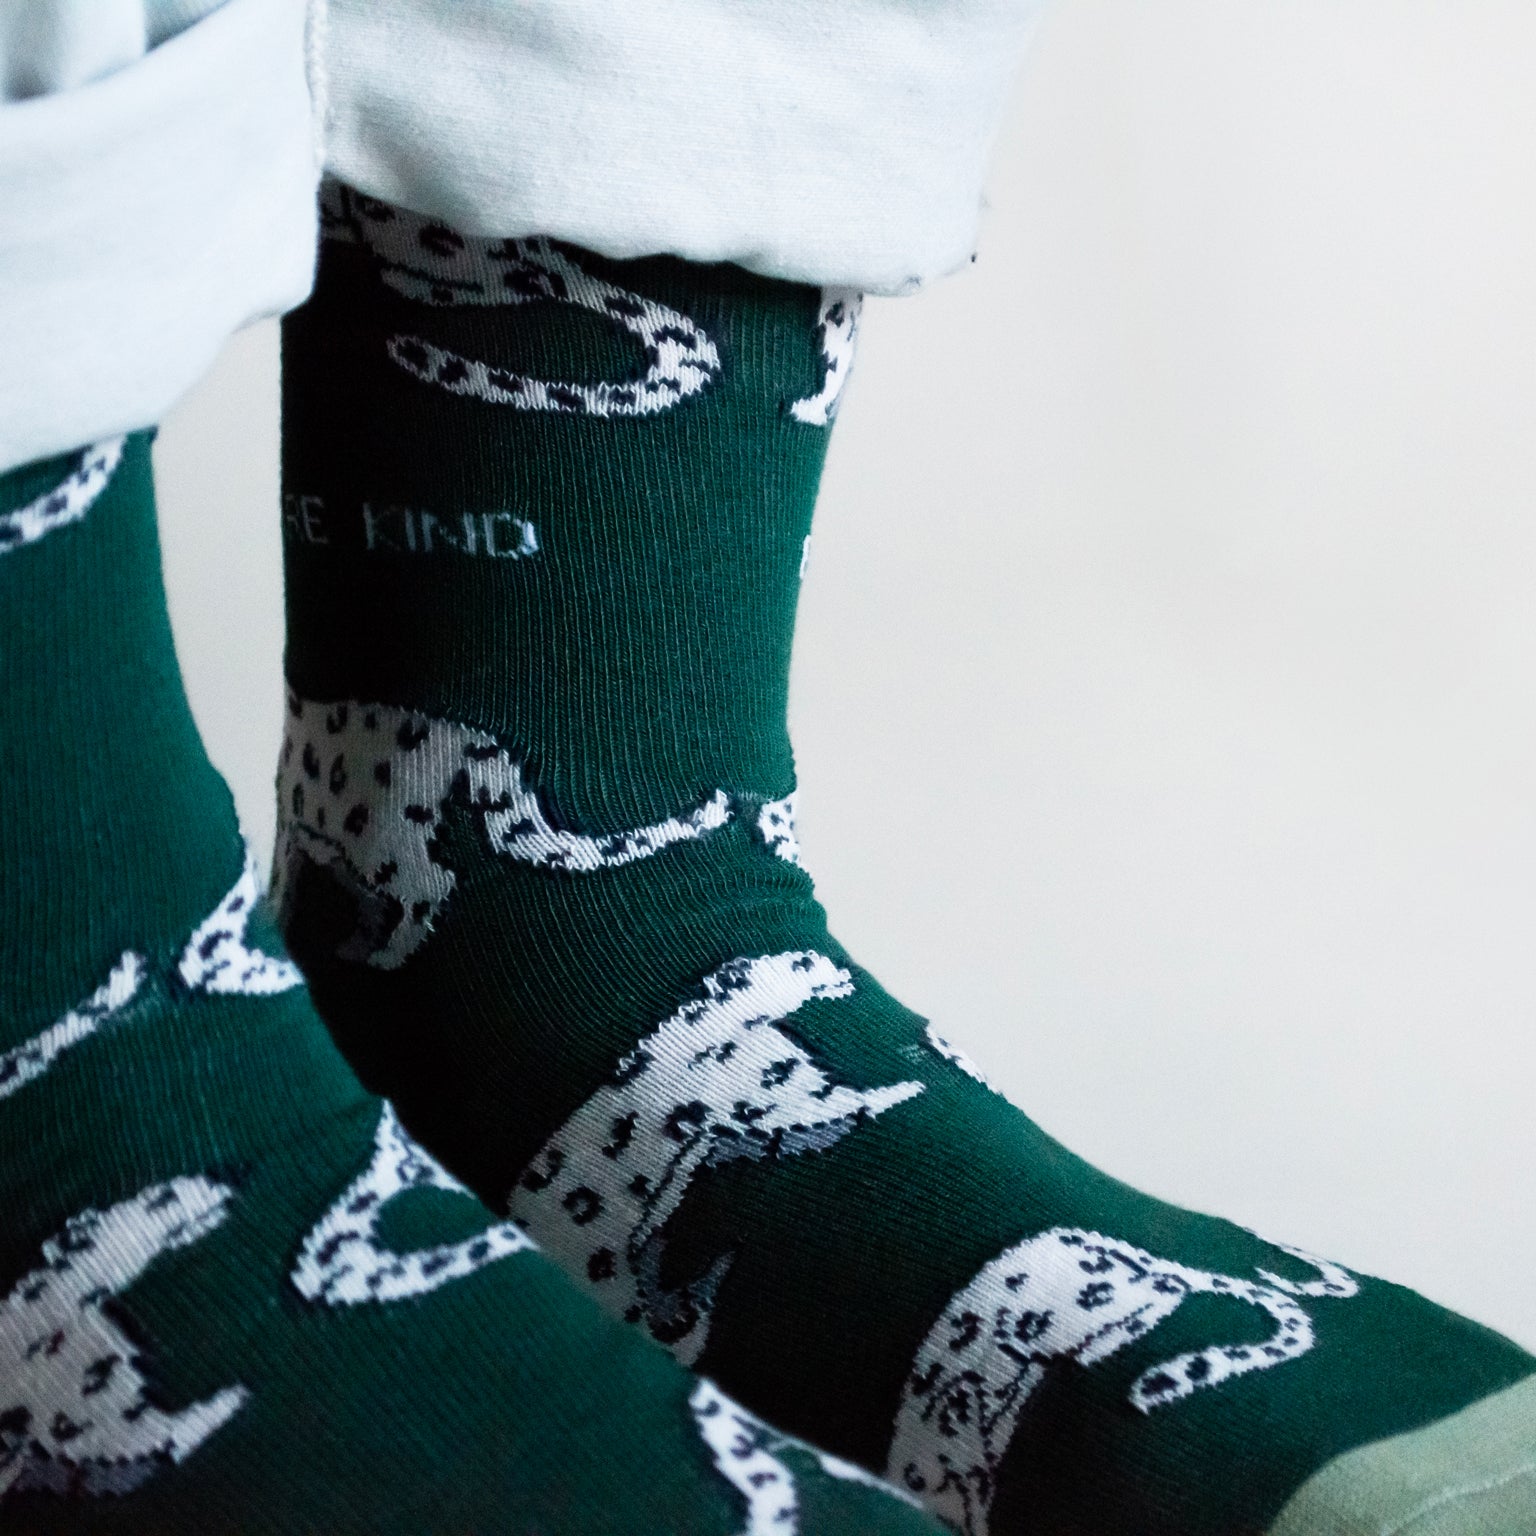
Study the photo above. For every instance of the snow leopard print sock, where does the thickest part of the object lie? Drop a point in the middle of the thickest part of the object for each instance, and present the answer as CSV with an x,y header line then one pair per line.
x,y
544,522
235,1296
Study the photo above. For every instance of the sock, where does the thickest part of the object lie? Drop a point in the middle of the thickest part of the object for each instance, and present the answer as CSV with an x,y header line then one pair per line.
x,y
235,1296
545,517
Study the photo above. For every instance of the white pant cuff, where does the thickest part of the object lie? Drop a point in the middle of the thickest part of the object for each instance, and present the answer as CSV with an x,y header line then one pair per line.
x,y
835,143
145,216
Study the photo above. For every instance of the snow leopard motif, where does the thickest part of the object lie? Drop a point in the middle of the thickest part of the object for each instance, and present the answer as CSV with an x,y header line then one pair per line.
x,y
717,1082
956,1057
742,1448
837,327
29,1060
342,1262
776,827
755,1459
425,260
68,501
75,1414
217,958
1065,1294
361,791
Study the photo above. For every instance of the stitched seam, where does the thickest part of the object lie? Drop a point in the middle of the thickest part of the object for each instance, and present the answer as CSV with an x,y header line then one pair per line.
x,y
1456,1495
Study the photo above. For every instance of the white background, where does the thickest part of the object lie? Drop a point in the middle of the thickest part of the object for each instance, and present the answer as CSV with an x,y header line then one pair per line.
x,y
1164,691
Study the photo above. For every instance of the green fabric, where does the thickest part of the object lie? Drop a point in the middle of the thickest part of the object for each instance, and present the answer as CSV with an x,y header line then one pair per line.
x,y
535,862
234,1298
1470,1474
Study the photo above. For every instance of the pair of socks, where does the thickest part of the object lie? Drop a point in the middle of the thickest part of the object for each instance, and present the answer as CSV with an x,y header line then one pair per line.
x,y
544,521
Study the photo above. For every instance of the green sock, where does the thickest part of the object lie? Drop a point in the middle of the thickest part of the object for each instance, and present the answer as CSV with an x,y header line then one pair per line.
x,y
235,1297
545,517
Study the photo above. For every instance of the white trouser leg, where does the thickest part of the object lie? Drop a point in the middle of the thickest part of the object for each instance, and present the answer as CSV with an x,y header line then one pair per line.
x,y
156,193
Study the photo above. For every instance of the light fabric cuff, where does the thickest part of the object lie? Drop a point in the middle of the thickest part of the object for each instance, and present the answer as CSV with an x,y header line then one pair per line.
x,y
146,215
840,142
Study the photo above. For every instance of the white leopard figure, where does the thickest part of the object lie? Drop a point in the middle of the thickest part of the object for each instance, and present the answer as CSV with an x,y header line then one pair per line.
x,y
74,1412
27,1062
755,1459
342,1263
837,329
67,502
956,1057
1065,1295
776,827
426,261
361,791
717,1082
215,959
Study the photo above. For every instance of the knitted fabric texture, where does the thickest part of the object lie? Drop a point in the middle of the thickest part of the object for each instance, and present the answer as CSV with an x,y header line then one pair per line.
x,y
235,1295
545,519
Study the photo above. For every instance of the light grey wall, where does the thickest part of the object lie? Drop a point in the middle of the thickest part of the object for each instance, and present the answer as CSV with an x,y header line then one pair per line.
x,y
1163,696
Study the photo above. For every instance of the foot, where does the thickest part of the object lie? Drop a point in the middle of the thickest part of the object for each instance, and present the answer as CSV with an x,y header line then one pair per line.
x,y
235,1295
545,521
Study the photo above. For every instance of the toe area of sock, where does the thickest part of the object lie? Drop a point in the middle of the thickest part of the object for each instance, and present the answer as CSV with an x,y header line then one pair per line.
x,y
1472,1474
